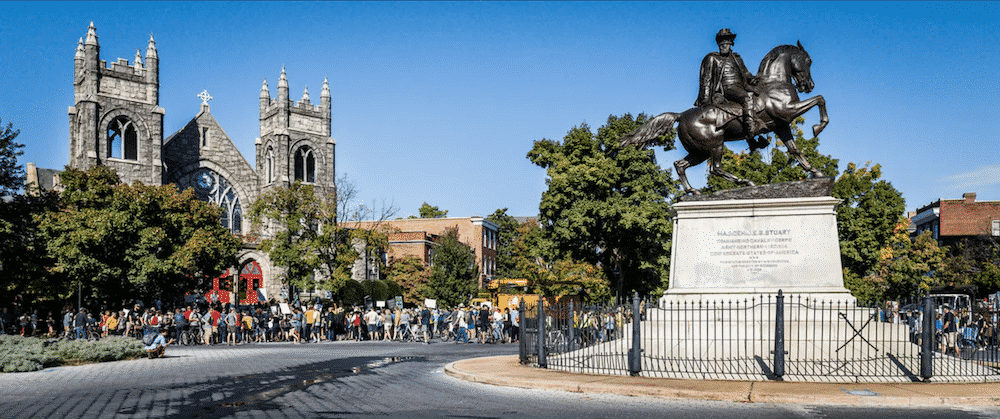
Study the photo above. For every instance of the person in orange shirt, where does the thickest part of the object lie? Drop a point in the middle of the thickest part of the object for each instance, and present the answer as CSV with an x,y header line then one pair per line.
x,y
111,325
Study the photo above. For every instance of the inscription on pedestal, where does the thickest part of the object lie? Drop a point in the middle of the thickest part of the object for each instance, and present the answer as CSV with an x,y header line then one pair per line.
x,y
754,250
754,246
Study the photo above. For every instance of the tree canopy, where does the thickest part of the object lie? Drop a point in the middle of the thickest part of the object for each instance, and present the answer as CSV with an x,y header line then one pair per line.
x,y
607,205
412,276
454,273
119,241
308,233
11,172
428,211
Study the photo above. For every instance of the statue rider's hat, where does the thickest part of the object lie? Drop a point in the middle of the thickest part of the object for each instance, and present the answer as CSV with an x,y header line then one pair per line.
x,y
724,35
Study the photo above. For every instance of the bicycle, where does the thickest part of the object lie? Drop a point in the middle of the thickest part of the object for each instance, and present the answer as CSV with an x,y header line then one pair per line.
x,y
968,343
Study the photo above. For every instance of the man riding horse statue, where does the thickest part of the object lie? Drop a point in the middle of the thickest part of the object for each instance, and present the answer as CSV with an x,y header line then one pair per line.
x,y
734,104
724,81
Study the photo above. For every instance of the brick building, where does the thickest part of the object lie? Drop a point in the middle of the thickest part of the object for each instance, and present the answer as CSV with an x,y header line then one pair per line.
x,y
116,121
415,237
951,220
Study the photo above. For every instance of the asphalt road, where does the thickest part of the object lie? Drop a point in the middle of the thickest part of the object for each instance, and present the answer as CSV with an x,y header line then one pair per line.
x,y
352,380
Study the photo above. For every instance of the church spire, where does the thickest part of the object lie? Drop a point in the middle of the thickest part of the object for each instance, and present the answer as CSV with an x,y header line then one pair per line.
x,y
138,59
283,79
91,34
283,88
264,92
151,49
305,95
79,50
325,93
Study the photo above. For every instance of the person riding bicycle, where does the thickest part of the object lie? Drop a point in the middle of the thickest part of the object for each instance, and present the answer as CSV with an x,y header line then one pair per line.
x,y
194,325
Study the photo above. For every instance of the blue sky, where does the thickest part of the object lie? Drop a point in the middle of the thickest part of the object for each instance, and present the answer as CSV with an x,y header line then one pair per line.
x,y
440,102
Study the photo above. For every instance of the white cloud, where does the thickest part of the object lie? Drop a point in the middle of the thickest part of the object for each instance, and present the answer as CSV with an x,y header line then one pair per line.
x,y
978,178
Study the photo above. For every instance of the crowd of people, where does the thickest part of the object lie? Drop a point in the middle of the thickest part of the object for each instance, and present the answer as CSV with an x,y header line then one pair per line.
x,y
951,327
227,324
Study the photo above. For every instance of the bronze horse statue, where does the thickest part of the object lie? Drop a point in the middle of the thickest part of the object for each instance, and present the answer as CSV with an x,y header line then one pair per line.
x,y
704,130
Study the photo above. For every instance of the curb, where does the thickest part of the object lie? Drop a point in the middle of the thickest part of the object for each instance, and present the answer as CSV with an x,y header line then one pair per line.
x,y
506,371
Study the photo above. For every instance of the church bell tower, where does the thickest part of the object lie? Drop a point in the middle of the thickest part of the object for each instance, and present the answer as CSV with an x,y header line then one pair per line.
x,y
116,120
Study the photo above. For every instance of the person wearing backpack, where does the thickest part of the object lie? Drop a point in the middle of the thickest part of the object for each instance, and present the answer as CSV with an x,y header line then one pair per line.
x,y
194,324
157,345
232,325
180,323
425,323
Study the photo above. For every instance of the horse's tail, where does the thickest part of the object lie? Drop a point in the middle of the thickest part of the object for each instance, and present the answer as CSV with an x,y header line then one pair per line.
x,y
651,130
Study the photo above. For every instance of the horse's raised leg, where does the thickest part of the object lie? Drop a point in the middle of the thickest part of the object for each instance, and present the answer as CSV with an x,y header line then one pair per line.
x,y
791,110
823,119
681,166
715,168
785,133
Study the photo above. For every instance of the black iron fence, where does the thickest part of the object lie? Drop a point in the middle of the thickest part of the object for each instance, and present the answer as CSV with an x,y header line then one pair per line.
x,y
774,337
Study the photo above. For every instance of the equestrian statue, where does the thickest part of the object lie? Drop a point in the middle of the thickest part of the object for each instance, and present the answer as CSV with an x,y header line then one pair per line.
x,y
735,105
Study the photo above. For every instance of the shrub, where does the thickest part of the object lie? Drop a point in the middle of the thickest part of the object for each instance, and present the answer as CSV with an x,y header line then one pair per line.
x,y
20,354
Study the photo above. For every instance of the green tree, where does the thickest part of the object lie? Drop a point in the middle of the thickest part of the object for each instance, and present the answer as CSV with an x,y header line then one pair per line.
x,y
869,211
377,289
607,205
454,272
310,234
11,173
412,275
427,211
294,216
506,236
24,260
393,289
119,241
974,261
562,277
352,293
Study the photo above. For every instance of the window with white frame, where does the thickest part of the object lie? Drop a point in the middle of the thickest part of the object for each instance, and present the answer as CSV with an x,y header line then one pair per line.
x,y
123,141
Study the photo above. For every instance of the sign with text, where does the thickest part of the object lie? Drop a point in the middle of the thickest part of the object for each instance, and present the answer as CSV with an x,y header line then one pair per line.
x,y
735,246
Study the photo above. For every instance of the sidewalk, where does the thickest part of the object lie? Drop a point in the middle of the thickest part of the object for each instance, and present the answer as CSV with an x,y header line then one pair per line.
x,y
507,371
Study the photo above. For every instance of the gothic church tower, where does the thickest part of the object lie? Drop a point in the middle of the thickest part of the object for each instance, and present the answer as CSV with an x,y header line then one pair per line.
x,y
116,120
295,142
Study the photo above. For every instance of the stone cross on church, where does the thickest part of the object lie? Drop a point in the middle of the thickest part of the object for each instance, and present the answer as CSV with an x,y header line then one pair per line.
x,y
205,97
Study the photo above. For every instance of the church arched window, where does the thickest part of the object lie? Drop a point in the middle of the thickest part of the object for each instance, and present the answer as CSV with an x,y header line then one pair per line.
x,y
123,141
305,164
269,165
212,187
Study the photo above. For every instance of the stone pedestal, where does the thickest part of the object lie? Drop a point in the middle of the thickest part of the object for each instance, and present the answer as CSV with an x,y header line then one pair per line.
x,y
735,249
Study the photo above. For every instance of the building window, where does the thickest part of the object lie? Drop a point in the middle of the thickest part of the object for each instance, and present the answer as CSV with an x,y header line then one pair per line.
x,y
211,187
269,165
305,165
204,136
123,142
995,228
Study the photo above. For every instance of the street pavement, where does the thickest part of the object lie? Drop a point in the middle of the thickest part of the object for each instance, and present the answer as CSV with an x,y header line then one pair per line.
x,y
507,371
370,379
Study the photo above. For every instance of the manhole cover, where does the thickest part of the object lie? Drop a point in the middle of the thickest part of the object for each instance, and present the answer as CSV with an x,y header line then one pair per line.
x,y
861,392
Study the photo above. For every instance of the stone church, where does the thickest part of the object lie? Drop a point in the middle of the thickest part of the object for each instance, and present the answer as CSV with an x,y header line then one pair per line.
x,y
116,121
